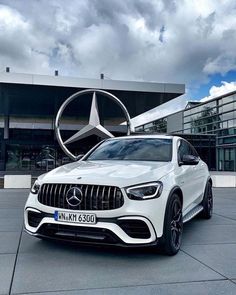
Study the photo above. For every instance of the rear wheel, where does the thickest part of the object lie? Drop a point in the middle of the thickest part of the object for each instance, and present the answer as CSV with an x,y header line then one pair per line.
x,y
173,226
207,202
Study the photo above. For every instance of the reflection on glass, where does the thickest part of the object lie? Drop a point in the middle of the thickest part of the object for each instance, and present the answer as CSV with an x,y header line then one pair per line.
x,y
206,121
133,149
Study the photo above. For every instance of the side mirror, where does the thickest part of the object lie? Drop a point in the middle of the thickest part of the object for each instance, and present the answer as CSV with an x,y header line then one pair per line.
x,y
189,160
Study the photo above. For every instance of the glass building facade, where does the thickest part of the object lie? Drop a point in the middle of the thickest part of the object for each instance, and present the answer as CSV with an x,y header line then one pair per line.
x,y
155,126
216,117
28,108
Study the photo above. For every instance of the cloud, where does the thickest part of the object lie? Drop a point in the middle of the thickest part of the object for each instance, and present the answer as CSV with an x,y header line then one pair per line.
x,y
163,41
216,91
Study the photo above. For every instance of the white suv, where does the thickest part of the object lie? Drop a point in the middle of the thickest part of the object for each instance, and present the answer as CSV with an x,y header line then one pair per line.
x,y
130,191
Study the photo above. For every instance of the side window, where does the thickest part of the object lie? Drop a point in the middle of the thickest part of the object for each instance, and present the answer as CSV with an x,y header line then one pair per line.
x,y
185,149
194,152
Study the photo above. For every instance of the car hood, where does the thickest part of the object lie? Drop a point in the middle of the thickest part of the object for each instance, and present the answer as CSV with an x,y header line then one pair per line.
x,y
114,173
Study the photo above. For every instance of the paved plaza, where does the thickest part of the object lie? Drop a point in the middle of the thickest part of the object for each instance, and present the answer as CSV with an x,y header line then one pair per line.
x,y
206,263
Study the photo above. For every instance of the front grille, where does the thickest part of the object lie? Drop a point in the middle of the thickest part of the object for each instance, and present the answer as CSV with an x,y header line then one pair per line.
x,y
137,229
95,197
79,233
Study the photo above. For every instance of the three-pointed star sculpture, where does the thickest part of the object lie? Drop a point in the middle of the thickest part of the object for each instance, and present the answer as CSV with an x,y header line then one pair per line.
x,y
93,128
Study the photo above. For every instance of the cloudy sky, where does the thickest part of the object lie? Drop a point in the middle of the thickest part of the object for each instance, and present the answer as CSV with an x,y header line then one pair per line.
x,y
184,41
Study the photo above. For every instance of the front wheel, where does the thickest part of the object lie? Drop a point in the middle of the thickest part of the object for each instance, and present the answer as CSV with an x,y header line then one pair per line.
x,y
173,226
207,202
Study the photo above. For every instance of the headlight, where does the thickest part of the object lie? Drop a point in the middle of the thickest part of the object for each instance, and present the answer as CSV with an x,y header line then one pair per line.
x,y
145,191
35,188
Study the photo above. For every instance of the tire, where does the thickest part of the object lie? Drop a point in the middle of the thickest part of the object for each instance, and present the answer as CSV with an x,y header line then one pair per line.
x,y
173,226
207,202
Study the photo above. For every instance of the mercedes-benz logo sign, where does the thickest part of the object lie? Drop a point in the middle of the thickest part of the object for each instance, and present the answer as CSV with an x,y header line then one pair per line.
x,y
74,196
94,127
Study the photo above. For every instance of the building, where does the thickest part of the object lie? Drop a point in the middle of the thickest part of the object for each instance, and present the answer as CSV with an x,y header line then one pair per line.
x,y
29,104
216,117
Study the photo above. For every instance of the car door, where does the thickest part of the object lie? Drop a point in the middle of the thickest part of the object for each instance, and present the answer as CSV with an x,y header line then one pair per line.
x,y
189,179
200,170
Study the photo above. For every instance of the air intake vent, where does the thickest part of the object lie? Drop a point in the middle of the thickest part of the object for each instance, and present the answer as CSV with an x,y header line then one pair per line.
x,y
137,229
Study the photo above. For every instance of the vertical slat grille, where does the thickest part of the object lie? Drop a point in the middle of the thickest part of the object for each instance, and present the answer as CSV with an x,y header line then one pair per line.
x,y
94,197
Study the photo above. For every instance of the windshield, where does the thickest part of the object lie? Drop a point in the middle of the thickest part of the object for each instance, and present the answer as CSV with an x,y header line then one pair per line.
x,y
134,149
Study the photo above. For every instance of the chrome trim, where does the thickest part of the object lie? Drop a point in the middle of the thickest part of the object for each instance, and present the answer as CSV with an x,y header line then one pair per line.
x,y
106,132
95,197
85,199
103,193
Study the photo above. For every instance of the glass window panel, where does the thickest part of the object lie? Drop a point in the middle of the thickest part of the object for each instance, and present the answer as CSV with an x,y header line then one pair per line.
x,y
235,101
228,107
1,134
228,140
186,113
220,159
227,116
188,125
148,125
230,123
140,128
187,119
1,122
210,104
228,99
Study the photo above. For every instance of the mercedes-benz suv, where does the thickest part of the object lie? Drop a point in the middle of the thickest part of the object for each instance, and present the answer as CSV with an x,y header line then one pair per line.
x,y
130,191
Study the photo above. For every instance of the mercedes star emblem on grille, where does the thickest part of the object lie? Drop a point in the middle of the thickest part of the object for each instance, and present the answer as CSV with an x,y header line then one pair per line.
x,y
74,196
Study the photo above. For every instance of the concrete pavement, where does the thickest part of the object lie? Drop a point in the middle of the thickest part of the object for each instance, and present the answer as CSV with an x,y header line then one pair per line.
x,y
206,263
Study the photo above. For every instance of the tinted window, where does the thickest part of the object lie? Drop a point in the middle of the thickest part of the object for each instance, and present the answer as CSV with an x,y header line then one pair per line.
x,y
186,149
135,149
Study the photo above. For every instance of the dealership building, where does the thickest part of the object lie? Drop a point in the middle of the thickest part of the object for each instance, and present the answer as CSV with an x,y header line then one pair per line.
x,y
28,108
211,126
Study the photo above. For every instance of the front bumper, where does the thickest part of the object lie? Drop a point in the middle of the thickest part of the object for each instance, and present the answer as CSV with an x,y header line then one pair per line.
x,y
148,216
122,230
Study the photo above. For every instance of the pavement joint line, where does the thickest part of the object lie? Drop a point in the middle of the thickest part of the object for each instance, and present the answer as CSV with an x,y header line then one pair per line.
x,y
212,243
225,216
14,267
8,253
20,217
202,226
206,265
124,286
8,231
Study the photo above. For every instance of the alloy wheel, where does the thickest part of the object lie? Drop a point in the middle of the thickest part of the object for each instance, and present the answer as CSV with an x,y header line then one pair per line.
x,y
176,224
209,199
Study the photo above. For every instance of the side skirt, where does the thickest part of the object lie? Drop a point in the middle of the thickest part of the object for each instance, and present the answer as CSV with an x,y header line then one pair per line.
x,y
192,213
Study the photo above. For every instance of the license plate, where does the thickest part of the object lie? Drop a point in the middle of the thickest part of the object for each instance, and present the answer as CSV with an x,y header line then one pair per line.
x,y
75,217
